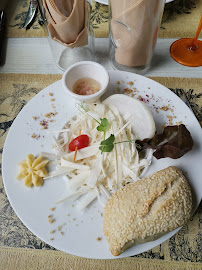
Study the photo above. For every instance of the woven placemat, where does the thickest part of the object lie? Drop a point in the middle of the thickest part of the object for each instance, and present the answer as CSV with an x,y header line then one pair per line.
x,y
180,19
21,249
15,17
24,259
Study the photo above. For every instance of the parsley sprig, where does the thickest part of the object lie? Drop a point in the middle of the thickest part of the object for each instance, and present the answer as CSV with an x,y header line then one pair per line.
x,y
108,144
103,126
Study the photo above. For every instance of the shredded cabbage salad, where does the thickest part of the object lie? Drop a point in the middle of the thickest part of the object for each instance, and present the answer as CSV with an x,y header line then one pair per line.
x,y
96,174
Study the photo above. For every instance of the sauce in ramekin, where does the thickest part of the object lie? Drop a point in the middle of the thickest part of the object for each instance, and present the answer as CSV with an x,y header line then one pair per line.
x,y
86,86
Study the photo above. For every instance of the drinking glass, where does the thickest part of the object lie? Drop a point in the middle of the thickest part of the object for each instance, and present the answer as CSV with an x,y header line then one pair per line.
x,y
65,56
188,51
134,27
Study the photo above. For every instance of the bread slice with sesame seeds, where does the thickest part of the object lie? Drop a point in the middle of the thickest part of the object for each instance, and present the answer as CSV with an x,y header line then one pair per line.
x,y
147,209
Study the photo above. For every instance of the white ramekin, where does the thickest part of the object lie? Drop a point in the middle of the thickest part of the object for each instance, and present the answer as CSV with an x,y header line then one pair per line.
x,y
86,69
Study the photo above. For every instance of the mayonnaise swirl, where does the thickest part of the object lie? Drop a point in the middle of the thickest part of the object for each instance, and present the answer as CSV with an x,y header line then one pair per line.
x,y
32,171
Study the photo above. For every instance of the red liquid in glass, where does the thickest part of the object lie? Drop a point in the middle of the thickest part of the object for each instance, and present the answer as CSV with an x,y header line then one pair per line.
x,y
188,51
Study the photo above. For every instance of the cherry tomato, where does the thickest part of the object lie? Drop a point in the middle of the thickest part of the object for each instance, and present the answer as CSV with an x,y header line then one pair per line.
x,y
81,141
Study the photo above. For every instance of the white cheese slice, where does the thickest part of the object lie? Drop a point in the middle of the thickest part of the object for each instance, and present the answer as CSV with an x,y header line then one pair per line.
x,y
141,119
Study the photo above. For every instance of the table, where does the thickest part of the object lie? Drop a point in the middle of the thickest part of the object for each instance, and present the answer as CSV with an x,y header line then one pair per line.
x,y
28,60
33,55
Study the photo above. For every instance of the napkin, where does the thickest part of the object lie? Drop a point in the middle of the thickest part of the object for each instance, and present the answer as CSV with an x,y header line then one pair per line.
x,y
134,27
67,21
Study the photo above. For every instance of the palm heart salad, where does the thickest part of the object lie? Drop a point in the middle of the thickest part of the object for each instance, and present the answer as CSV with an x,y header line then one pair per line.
x,y
96,152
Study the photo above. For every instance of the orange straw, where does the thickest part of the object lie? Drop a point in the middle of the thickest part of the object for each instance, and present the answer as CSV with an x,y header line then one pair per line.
x,y
76,149
197,33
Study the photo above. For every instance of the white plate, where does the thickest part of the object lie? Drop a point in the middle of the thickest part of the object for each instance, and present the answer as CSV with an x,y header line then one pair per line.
x,y
105,2
33,205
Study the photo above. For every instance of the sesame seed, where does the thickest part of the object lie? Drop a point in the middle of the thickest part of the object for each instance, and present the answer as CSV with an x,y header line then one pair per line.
x,y
51,220
99,239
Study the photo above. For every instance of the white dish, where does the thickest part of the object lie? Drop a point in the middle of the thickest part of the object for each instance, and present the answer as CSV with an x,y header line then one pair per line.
x,y
105,2
85,69
33,205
